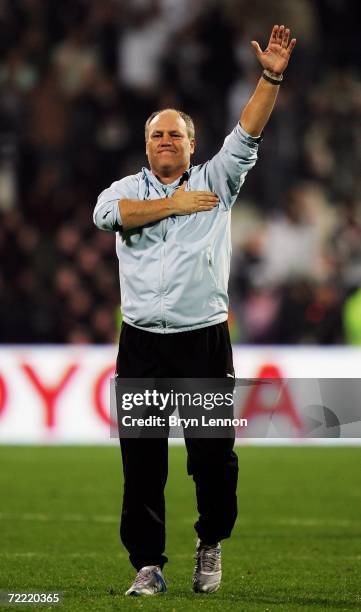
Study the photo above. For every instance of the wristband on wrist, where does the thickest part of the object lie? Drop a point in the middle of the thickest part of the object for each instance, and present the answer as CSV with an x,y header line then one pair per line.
x,y
271,77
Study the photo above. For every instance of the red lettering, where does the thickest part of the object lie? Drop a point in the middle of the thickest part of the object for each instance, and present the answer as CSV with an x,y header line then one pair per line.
x,y
98,396
3,394
49,394
256,404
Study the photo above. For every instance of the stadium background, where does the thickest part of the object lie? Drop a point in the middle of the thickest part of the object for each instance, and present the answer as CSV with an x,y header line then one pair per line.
x,y
78,80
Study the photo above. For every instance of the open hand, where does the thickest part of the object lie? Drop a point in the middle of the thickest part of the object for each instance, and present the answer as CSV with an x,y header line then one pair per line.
x,y
187,202
275,58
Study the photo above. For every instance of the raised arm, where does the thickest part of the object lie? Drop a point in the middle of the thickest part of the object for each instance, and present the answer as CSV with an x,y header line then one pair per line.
x,y
226,171
274,60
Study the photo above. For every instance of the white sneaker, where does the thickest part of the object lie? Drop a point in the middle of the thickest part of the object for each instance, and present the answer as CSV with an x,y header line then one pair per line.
x,y
148,581
208,568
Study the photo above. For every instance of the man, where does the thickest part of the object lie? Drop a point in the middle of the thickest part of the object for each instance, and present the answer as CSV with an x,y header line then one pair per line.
x,y
173,245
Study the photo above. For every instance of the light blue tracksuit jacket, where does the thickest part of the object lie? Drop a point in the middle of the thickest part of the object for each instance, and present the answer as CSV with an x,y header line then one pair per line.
x,y
174,272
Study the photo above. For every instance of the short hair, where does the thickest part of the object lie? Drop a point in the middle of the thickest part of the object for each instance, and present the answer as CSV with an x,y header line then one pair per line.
x,y
187,120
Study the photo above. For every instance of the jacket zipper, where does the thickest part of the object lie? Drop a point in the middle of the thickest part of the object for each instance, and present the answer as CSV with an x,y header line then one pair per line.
x,y
162,286
162,311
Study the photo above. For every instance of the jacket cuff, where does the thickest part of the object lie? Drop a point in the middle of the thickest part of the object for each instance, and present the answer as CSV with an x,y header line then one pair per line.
x,y
118,223
247,137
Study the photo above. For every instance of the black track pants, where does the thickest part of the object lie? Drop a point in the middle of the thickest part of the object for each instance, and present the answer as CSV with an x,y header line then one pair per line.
x,y
202,353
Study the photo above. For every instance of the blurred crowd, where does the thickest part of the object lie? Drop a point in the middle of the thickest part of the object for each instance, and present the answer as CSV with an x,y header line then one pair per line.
x,y
78,78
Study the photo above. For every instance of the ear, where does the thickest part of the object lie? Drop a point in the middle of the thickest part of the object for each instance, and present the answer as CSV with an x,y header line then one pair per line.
x,y
192,145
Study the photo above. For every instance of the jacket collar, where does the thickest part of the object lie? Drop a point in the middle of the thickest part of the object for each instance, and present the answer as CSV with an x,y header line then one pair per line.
x,y
150,178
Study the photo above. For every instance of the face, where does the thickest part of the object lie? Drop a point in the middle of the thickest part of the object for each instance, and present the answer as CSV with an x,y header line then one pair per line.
x,y
168,145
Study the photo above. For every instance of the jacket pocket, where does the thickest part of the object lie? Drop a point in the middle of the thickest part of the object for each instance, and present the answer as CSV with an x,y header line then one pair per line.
x,y
210,264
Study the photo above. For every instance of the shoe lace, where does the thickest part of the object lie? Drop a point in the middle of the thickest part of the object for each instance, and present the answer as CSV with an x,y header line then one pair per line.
x,y
142,577
207,559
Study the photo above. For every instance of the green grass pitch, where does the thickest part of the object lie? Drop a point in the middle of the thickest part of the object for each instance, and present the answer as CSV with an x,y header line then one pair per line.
x,y
296,545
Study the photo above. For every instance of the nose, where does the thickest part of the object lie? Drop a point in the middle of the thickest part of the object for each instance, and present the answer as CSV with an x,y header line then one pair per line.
x,y
166,140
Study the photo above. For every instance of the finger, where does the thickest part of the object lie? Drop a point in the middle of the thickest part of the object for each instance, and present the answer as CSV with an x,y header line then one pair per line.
x,y
257,48
291,46
208,199
273,36
280,34
206,194
209,205
285,38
